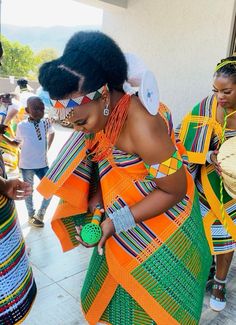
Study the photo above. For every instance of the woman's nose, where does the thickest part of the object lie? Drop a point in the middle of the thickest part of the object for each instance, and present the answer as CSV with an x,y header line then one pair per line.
x,y
221,96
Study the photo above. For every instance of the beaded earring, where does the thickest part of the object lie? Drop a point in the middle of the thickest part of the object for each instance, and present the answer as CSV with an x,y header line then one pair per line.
x,y
106,110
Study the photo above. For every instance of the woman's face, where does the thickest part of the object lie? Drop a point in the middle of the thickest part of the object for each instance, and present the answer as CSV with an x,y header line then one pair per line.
x,y
225,91
89,118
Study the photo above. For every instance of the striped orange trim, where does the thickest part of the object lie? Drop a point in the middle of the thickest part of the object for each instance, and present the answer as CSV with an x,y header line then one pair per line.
x,y
215,203
102,300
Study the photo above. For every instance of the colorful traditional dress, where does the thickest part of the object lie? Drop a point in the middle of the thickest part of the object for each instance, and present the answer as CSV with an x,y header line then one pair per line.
x,y
154,273
17,286
200,132
9,153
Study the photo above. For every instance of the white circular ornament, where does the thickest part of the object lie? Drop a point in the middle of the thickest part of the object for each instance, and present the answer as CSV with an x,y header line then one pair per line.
x,y
149,93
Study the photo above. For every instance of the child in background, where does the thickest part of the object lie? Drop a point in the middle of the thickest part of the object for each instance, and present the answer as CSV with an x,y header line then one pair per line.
x,y
35,136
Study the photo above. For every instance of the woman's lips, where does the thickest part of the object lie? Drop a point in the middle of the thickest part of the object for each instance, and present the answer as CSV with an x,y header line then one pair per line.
x,y
222,103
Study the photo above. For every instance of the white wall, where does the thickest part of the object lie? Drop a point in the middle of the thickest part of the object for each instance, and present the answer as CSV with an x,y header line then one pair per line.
x,y
180,40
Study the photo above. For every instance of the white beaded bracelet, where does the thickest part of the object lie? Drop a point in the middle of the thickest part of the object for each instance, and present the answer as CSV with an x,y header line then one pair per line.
x,y
220,281
122,219
208,156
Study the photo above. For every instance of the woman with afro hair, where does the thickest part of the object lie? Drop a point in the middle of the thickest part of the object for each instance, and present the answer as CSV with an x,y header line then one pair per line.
x,y
152,261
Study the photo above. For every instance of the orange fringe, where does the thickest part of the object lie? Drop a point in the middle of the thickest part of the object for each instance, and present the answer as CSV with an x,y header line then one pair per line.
x,y
101,145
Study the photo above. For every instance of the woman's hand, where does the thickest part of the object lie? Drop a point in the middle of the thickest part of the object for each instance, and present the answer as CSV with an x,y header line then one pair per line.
x,y
108,230
96,200
215,162
16,189
3,128
78,230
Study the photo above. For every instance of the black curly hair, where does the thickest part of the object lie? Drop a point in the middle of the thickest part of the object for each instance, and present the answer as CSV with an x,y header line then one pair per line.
x,y
227,70
22,83
90,60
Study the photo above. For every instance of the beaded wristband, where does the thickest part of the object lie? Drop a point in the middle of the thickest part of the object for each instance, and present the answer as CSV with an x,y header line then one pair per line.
x,y
208,156
122,219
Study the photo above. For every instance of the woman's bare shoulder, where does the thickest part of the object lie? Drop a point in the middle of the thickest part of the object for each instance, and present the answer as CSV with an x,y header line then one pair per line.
x,y
149,135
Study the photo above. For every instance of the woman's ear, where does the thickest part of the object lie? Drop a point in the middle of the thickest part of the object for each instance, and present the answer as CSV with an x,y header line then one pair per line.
x,y
105,98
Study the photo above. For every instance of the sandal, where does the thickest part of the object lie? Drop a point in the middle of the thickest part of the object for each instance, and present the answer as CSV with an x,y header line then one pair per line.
x,y
36,222
218,303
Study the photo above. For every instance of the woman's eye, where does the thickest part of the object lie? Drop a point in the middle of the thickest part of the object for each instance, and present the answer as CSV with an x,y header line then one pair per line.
x,y
214,90
80,123
227,92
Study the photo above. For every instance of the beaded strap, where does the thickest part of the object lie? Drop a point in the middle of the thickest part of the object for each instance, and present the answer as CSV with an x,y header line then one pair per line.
x,y
220,287
167,167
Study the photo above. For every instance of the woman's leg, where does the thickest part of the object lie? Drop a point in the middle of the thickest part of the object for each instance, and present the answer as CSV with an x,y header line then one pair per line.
x,y
223,262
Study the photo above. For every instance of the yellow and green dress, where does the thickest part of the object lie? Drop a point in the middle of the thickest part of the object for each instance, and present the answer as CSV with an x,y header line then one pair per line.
x,y
199,133
11,153
152,274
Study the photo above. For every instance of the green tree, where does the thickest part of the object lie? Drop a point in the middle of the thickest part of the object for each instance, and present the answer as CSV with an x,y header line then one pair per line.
x,y
18,59
45,55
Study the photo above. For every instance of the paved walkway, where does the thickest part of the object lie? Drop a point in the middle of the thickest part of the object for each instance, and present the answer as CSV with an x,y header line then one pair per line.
x,y
60,275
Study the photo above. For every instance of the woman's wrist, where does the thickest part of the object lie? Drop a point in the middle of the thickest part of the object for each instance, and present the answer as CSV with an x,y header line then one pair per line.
x,y
122,219
208,156
3,184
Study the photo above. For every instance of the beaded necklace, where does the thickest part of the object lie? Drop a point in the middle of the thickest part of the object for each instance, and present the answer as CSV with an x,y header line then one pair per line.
x,y
100,145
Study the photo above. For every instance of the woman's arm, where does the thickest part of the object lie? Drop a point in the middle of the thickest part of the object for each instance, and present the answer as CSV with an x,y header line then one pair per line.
x,y
11,113
12,142
154,146
150,140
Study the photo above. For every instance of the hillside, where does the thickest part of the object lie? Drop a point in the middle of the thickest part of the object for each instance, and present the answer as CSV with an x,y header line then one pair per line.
x,y
43,37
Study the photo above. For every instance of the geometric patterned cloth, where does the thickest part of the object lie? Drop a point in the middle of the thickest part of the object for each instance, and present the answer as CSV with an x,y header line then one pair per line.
x,y
65,106
152,274
200,132
167,167
17,286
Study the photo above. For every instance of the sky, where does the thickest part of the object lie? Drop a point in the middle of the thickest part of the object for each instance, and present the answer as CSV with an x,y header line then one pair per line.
x,y
46,13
